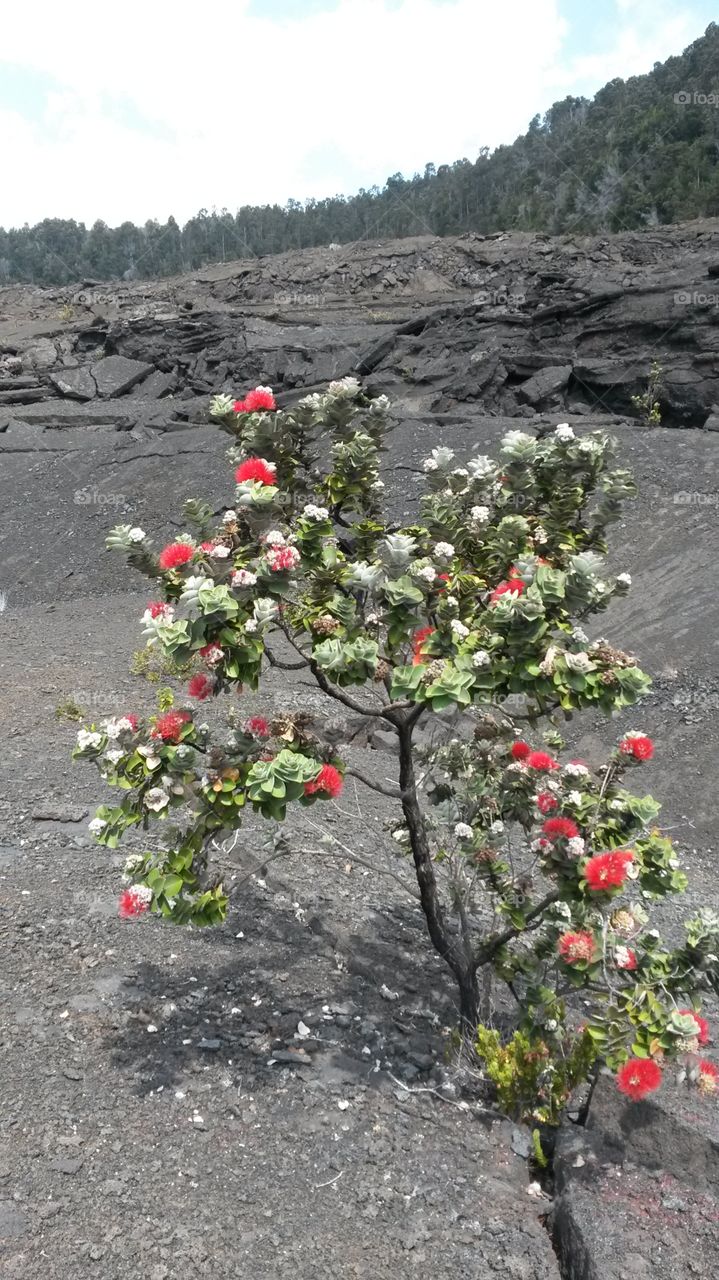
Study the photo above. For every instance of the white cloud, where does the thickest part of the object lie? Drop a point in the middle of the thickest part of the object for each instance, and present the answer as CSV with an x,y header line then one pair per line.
x,y
229,108
248,102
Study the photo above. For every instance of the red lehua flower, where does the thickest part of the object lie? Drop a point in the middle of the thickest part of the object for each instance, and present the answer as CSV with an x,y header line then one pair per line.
x,y
638,746
708,1080
419,639
175,554
520,750
541,761
258,727
546,802
513,572
169,726
156,608
702,1025
607,870
638,1077
211,652
560,827
328,782
260,398
200,686
515,588
132,720
256,469
631,960
132,903
443,577
576,947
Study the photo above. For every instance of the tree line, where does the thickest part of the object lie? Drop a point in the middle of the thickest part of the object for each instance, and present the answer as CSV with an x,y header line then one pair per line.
x,y
643,152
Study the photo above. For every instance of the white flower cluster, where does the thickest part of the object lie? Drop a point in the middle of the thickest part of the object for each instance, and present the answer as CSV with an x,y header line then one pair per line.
x,y
443,550
625,579
142,893
575,847
479,515
463,831
116,727
514,438
459,629
230,517
344,388
438,460
136,534
219,551
243,578
480,658
88,738
575,770
311,512
96,826
564,433
426,572
132,865
590,446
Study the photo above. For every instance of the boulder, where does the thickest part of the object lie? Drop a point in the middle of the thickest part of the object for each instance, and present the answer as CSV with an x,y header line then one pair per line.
x,y
116,375
158,385
76,384
638,1187
545,384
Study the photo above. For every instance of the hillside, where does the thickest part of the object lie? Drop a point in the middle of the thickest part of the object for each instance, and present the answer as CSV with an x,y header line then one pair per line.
x,y
644,152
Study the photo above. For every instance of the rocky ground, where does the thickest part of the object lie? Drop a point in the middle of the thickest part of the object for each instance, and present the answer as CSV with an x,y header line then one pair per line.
x,y
271,1098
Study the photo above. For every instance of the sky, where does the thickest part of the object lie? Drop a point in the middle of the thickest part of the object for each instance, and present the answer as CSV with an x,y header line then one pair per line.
x,y
146,109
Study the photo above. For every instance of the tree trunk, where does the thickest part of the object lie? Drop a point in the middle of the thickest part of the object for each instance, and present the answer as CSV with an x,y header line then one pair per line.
x,y
450,949
469,999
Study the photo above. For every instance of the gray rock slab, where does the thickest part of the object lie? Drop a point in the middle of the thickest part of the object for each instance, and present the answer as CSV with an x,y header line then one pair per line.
x,y
76,384
116,374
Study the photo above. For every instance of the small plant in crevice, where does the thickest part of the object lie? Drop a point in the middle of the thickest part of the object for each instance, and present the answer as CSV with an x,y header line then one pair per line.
x,y
535,870
647,403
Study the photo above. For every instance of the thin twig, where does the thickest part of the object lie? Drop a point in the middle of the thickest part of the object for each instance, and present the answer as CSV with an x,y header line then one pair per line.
x,y
393,793
460,1106
317,1185
363,862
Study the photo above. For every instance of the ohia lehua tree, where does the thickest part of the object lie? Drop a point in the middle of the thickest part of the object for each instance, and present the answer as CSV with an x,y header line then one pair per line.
x,y
532,870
